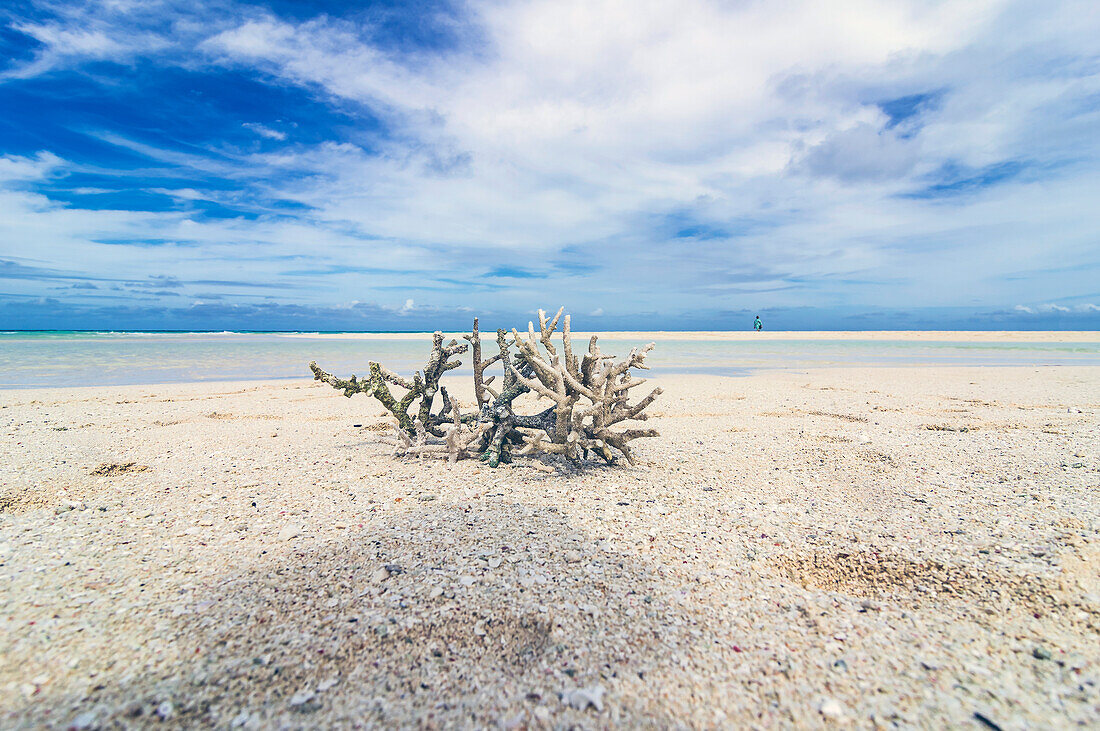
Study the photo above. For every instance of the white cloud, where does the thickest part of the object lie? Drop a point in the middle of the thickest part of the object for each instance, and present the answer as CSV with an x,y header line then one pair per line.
x,y
19,169
76,242
584,117
863,152
82,34
593,132
1051,308
262,131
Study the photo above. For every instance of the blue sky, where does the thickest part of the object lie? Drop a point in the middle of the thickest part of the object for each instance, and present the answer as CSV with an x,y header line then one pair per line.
x,y
675,165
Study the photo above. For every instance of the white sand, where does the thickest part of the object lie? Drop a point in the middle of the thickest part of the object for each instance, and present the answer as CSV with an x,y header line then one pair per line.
x,y
796,549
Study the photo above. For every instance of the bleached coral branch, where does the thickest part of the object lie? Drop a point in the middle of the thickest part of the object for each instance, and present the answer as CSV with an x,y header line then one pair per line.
x,y
589,395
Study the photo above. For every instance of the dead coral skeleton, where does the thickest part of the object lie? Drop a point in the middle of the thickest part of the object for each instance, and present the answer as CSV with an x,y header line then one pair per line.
x,y
589,395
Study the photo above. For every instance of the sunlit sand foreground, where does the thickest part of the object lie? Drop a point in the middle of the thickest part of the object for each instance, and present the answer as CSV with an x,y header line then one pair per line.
x,y
915,546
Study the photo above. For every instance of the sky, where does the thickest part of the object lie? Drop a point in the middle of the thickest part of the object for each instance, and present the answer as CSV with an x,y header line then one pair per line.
x,y
687,164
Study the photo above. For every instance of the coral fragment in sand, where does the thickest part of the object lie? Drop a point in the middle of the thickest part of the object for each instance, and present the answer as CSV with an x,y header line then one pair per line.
x,y
589,396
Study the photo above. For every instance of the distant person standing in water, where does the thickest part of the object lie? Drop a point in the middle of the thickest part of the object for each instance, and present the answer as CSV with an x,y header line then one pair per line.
x,y
757,325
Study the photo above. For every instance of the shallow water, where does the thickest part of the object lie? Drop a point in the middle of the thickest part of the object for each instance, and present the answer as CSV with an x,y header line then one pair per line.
x,y
37,359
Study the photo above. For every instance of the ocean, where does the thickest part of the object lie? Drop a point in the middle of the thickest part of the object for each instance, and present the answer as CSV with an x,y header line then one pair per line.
x,y
59,359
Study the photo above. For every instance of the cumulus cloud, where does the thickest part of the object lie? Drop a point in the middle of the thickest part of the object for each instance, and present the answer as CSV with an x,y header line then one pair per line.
x,y
581,119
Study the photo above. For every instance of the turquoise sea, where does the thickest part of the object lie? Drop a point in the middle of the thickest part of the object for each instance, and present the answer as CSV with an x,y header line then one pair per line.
x,y
36,359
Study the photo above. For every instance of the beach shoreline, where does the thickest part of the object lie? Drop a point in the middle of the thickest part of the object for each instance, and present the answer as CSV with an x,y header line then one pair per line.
x,y
978,336
118,359
863,545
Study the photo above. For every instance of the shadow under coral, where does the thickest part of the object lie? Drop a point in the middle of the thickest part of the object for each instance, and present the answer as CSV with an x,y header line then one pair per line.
x,y
450,614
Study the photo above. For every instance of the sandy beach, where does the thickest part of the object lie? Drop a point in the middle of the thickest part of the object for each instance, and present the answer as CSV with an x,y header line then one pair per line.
x,y
848,251
873,547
